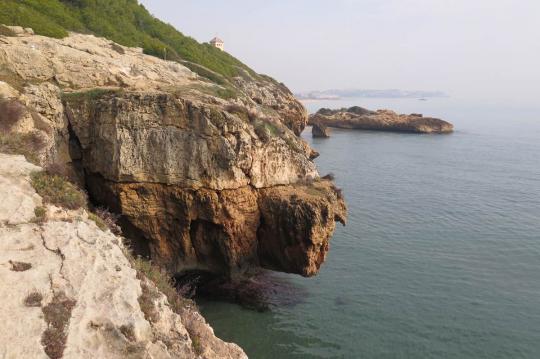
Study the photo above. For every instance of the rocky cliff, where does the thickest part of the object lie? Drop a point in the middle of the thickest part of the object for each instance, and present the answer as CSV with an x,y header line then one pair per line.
x,y
70,290
380,120
205,177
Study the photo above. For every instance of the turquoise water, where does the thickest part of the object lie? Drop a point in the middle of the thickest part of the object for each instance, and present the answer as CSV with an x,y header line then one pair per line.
x,y
441,255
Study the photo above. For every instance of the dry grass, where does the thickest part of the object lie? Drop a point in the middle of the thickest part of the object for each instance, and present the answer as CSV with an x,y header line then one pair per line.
x,y
147,303
58,191
129,332
57,315
33,299
11,112
20,266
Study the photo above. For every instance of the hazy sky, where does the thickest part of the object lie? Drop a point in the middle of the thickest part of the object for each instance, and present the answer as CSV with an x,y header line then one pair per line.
x,y
473,48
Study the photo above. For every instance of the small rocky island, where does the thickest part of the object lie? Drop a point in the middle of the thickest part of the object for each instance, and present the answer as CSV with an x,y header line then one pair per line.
x,y
380,120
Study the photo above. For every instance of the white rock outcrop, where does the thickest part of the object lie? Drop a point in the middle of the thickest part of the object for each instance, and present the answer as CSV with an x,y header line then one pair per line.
x,y
67,273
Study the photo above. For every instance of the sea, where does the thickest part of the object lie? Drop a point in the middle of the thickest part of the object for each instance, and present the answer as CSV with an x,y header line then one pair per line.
x,y
440,257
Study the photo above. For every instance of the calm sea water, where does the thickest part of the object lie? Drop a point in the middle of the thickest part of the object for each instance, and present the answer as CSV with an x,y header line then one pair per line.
x,y
441,255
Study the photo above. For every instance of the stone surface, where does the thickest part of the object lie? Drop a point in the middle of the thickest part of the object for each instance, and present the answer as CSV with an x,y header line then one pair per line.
x,y
70,256
380,120
18,197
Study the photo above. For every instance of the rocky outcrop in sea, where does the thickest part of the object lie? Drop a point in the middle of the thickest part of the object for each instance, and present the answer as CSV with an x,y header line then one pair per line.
x,y
381,120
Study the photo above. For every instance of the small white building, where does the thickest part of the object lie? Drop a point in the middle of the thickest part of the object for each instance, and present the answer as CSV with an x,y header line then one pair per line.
x,y
217,42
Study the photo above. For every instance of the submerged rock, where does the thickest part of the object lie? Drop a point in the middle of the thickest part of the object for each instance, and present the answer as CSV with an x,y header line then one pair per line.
x,y
380,120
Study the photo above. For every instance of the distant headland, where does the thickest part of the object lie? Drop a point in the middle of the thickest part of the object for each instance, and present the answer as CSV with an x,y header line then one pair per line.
x,y
336,94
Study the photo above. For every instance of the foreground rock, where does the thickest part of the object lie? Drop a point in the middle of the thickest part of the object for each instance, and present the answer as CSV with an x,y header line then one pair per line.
x,y
70,291
380,120
318,130
203,181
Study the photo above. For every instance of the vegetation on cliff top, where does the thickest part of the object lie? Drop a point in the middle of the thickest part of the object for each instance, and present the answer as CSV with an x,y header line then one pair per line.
x,y
124,21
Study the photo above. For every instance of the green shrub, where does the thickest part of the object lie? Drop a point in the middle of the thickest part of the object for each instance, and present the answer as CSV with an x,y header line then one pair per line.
x,y
125,22
56,190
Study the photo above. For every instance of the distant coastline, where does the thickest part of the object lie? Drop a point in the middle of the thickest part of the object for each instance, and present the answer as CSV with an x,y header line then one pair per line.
x,y
337,94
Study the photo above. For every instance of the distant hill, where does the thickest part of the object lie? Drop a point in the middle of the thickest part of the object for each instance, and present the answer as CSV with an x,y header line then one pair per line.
x,y
126,22
391,93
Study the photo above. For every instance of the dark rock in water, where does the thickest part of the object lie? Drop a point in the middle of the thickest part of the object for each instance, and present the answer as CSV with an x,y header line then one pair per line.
x,y
319,130
339,301
259,292
380,120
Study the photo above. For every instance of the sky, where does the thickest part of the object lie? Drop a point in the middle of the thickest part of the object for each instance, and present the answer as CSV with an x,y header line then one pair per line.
x,y
480,49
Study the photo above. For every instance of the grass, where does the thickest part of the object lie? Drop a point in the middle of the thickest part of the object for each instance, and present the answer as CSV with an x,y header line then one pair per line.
x,y
27,144
41,214
57,315
123,21
99,222
33,299
89,95
58,191
20,266
196,344
265,129
163,283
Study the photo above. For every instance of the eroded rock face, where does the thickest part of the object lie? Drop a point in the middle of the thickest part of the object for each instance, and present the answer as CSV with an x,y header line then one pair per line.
x,y
380,120
197,178
296,225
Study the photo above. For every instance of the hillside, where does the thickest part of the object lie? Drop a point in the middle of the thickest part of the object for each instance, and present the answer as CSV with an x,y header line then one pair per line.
x,y
123,21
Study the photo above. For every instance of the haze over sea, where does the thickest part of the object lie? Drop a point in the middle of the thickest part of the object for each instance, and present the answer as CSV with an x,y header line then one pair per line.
x,y
441,254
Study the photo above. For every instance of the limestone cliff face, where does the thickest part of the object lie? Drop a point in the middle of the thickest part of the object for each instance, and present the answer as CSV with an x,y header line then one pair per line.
x,y
202,180
381,120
